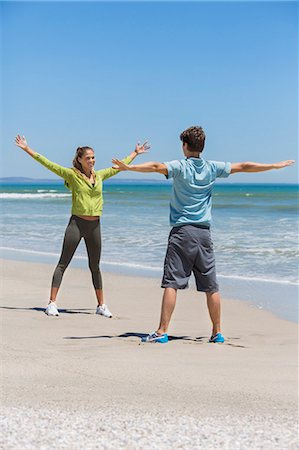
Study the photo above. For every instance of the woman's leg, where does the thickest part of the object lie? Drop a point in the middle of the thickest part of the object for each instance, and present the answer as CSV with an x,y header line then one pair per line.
x,y
71,241
93,247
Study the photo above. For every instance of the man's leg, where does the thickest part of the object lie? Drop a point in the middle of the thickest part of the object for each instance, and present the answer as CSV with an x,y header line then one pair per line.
x,y
168,305
214,306
177,270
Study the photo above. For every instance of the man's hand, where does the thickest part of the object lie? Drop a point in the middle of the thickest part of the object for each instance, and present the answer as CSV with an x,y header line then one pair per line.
x,y
144,148
148,167
21,142
259,167
119,165
282,164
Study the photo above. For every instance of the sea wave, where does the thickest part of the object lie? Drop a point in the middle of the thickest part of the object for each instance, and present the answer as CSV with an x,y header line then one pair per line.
x,y
259,279
157,269
260,251
14,196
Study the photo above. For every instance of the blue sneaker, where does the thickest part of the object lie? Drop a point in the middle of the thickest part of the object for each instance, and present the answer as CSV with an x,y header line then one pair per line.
x,y
154,337
217,338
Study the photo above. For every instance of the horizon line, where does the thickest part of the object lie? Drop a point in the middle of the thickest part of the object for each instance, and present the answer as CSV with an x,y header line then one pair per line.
x,y
19,180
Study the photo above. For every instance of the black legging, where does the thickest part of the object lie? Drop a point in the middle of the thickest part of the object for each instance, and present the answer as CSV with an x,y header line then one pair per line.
x,y
77,229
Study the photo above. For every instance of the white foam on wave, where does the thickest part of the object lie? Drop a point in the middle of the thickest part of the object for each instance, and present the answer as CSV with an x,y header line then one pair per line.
x,y
157,269
259,279
39,195
265,252
133,266
36,252
110,263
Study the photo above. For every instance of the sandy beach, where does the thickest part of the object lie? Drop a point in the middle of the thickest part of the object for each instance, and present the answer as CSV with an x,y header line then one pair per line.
x,y
83,381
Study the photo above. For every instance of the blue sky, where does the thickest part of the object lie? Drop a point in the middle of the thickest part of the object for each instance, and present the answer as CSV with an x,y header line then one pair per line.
x,y
107,74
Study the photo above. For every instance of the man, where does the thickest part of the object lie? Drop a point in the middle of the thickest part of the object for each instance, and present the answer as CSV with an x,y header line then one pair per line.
x,y
190,247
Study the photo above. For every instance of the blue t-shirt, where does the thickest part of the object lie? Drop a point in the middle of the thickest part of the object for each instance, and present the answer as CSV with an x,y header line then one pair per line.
x,y
193,181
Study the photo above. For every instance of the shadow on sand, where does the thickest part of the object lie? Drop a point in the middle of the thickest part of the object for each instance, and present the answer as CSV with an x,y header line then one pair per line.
x,y
61,311
135,335
128,335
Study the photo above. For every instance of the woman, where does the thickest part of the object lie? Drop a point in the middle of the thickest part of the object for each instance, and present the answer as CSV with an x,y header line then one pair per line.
x,y
87,203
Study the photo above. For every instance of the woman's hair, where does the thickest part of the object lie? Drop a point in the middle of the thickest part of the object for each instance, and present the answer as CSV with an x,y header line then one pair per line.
x,y
79,153
194,137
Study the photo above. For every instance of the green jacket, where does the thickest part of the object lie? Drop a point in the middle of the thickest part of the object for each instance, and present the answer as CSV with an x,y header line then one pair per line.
x,y
87,200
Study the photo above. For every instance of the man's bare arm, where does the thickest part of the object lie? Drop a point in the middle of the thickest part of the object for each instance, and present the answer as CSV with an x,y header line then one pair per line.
x,y
259,167
146,167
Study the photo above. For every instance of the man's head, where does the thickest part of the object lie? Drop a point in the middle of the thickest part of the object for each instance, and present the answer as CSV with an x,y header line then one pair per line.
x,y
193,140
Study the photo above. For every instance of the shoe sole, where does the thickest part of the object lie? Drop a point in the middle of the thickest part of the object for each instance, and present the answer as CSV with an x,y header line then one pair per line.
x,y
154,342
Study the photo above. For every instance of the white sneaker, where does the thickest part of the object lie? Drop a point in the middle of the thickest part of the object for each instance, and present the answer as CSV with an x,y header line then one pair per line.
x,y
103,311
52,310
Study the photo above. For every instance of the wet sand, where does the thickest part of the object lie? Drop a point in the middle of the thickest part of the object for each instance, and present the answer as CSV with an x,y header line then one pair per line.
x,y
83,380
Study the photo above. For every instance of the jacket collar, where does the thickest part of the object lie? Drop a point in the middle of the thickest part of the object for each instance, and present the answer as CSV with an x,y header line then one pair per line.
x,y
82,175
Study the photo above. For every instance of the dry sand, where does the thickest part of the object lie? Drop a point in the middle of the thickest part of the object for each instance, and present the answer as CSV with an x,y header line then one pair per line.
x,y
83,381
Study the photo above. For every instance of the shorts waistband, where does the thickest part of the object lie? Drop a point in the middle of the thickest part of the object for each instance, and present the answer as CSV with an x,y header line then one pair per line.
x,y
204,227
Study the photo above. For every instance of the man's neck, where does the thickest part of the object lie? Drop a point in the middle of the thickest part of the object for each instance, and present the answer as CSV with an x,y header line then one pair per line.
x,y
193,154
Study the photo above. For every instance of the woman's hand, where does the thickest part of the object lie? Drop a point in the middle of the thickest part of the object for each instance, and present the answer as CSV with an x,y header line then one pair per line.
x,y
21,142
139,149
119,165
144,148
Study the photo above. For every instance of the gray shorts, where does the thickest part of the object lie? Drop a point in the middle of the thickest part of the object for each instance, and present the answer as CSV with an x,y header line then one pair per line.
x,y
190,249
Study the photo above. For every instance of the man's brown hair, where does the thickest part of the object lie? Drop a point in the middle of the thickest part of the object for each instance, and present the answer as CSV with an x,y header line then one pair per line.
x,y
194,137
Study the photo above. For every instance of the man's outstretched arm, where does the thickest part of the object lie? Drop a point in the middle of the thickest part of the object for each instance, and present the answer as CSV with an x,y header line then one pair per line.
x,y
146,167
258,167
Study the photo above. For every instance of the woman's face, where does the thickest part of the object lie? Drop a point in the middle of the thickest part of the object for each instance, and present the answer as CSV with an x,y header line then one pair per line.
x,y
88,160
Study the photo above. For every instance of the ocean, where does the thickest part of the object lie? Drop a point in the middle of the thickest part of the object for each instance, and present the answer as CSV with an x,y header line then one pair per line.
x,y
255,234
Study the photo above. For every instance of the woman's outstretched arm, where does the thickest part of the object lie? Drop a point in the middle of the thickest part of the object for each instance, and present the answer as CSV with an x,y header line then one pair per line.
x,y
139,149
61,171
